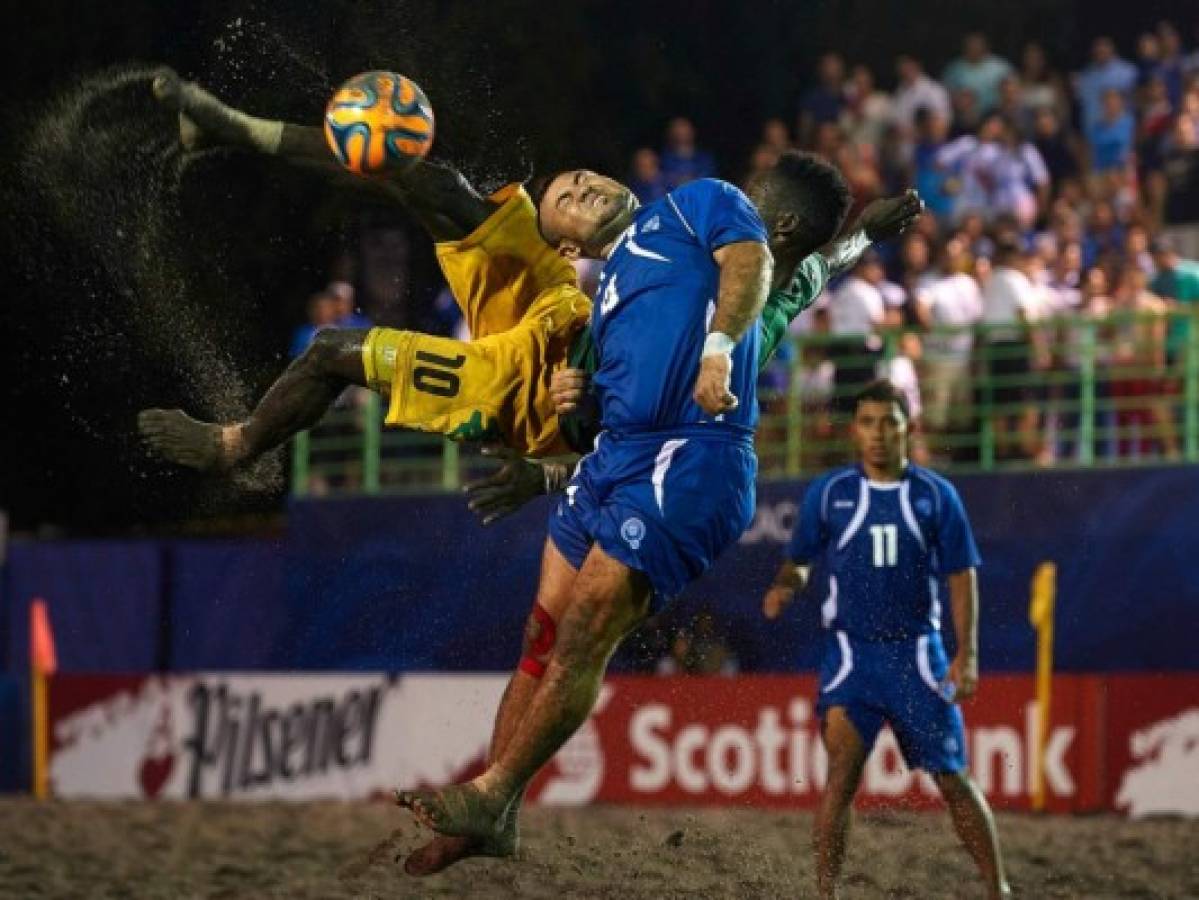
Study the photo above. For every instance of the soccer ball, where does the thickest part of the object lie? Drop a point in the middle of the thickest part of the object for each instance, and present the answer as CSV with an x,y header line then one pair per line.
x,y
377,120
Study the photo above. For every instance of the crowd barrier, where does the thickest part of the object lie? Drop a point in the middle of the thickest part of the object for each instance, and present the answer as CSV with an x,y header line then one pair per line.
x,y
1068,392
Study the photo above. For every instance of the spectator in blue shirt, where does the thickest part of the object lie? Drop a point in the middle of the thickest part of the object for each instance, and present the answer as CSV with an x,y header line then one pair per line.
x,y
322,313
646,180
932,130
824,101
1110,138
348,315
1104,235
1107,71
1171,66
1149,56
979,71
681,159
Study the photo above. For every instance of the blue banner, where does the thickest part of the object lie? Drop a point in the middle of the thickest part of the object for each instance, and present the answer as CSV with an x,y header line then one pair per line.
x,y
226,605
105,601
416,584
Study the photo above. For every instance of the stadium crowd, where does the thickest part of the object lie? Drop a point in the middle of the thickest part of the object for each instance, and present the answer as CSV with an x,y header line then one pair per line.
x,y
1052,198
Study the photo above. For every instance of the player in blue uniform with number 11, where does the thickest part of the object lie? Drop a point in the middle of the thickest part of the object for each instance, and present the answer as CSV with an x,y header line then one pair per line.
x,y
885,532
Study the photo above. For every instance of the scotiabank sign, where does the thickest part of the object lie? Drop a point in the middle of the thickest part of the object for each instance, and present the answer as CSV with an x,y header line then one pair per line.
x,y
1129,743
1115,742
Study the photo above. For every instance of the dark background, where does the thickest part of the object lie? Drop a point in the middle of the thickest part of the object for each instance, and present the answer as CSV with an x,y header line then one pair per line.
x,y
130,282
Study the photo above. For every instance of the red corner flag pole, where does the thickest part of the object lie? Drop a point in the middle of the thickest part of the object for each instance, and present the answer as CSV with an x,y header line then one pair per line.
x,y
42,662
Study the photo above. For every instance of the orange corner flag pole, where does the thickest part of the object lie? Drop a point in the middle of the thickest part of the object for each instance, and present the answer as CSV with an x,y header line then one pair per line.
x,y
43,663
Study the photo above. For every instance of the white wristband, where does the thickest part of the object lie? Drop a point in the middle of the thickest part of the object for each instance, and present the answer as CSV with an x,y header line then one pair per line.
x,y
718,343
845,253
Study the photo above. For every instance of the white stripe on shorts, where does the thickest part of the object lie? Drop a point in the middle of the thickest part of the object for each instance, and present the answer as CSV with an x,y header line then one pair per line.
x,y
924,666
661,467
846,663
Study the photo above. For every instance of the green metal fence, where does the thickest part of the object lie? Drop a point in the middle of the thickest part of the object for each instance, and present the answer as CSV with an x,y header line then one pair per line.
x,y
1123,390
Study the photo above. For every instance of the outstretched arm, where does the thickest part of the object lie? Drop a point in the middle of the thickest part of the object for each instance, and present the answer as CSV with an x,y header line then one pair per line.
x,y
880,220
445,203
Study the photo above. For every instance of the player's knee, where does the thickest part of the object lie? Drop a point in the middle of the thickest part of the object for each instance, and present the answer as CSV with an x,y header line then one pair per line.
x,y
540,636
596,624
327,345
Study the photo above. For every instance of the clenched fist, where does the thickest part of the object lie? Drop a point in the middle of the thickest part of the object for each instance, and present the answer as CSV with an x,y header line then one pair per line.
x,y
712,386
777,599
566,389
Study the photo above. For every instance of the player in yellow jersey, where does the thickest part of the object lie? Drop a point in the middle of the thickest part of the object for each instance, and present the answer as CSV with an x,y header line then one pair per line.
x,y
519,296
522,306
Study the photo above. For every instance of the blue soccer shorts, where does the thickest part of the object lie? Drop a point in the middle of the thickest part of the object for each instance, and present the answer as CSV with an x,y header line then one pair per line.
x,y
899,683
663,504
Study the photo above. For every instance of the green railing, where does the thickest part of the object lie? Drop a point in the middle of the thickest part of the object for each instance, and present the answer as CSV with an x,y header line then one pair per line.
x,y
1073,392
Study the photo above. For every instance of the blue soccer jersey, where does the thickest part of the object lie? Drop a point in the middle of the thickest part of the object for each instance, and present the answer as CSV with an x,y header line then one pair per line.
x,y
654,303
668,488
884,547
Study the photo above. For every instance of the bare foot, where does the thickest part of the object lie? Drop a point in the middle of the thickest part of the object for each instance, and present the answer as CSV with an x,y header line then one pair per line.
x,y
205,121
458,810
178,438
170,90
443,851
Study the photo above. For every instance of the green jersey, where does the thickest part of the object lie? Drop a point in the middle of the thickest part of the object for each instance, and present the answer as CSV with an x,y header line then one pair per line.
x,y
782,306
1181,284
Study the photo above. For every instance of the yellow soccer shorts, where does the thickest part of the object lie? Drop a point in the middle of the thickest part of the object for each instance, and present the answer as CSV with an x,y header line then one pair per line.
x,y
495,388
522,305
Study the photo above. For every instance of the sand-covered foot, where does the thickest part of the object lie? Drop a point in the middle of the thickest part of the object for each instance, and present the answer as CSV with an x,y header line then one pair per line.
x,y
443,851
461,810
178,438
168,90
204,121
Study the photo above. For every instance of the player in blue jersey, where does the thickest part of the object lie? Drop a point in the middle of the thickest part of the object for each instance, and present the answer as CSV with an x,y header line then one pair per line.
x,y
884,532
670,484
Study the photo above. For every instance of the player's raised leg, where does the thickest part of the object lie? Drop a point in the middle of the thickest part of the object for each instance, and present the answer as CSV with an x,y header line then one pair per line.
x,y
975,826
206,121
846,759
446,204
553,595
608,600
297,400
